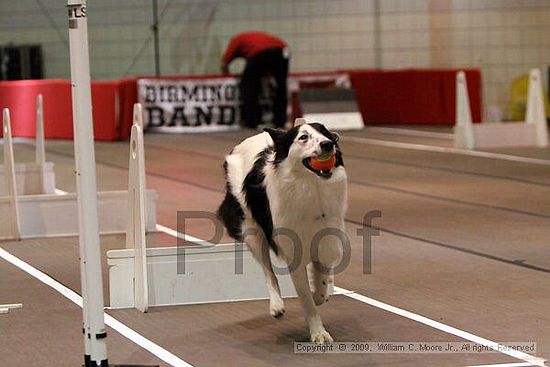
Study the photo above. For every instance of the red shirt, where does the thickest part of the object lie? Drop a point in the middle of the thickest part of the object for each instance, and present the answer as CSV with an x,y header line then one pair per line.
x,y
249,44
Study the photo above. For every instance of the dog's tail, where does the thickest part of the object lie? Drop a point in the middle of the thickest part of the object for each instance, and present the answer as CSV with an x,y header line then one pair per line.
x,y
234,170
231,214
230,211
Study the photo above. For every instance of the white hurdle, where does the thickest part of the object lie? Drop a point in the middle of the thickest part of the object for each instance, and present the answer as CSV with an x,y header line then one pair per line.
x,y
34,177
52,215
531,132
209,277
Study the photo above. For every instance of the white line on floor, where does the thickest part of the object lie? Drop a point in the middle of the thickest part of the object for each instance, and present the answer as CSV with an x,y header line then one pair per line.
x,y
184,236
122,329
448,329
12,306
410,132
431,148
520,364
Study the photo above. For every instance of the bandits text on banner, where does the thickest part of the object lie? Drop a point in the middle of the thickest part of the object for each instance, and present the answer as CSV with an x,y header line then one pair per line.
x,y
194,105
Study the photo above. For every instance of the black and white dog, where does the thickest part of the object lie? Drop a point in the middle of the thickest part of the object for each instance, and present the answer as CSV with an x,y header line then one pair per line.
x,y
276,200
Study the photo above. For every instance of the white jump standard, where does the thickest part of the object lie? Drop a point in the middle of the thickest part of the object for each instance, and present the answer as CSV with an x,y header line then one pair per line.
x,y
8,203
532,132
34,177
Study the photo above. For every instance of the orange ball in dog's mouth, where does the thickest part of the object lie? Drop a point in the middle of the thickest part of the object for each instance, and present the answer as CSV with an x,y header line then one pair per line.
x,y
321,165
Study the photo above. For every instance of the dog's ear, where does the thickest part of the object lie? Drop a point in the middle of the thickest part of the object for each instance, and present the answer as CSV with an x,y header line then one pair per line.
x,y
299,121
335,137
274,133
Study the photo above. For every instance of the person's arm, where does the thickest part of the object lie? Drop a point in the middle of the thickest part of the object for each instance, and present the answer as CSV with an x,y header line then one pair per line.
x,y
230,54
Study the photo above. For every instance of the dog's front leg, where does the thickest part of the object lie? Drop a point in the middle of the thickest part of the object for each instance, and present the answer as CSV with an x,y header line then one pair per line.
x,y
313,319
320,279
320,270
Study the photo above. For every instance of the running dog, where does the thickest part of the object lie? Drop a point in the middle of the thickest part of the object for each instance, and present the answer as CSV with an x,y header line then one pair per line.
x,y
276,199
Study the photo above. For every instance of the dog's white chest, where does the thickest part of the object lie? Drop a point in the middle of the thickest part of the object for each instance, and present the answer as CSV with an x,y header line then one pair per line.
x,y
302,202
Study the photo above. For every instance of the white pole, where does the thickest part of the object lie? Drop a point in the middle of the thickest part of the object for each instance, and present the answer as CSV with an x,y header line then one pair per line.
x,y
90,255
464,132
535,108
40,154
9,175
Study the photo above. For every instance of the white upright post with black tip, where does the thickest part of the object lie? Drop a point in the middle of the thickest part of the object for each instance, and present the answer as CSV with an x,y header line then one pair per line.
x,y
95,347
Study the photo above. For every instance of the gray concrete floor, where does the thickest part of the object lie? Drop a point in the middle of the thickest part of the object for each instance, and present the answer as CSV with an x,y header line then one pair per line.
x,y
463,240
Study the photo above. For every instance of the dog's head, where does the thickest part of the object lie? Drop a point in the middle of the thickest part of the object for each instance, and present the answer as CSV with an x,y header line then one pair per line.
x,y
304,141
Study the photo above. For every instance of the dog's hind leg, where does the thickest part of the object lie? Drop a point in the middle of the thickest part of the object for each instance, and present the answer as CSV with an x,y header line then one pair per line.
x,y
316,329
260,250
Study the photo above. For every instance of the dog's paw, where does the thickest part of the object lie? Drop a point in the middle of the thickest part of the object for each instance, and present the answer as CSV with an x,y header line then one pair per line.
x,y
321,336
277,308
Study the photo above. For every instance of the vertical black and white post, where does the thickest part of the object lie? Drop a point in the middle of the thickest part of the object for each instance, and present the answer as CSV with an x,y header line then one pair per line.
x,y
90,255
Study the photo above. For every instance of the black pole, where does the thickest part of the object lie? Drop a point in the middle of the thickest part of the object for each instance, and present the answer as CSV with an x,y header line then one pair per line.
x,y
155,29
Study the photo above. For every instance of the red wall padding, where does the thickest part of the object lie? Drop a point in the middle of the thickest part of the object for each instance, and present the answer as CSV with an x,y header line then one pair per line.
x,y
413,96
127,94
20,97
384,97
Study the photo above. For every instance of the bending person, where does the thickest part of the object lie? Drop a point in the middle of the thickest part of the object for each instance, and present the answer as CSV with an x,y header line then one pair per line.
x,y
265,54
